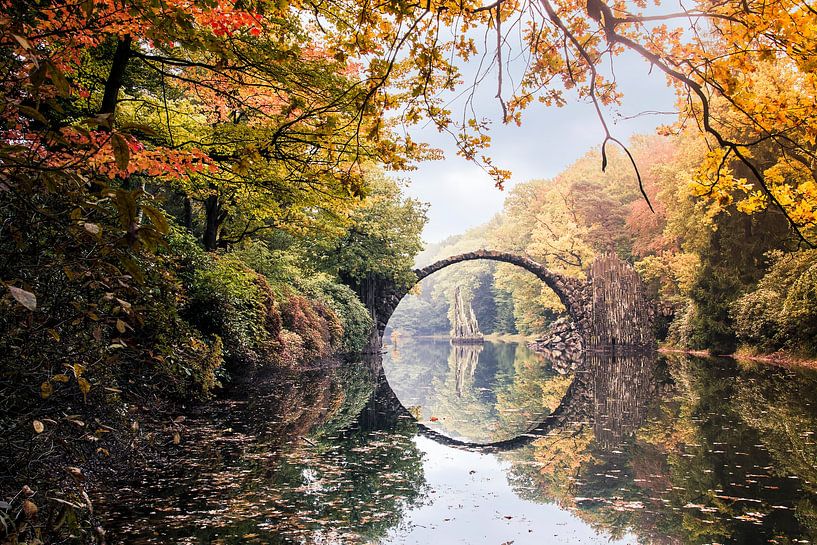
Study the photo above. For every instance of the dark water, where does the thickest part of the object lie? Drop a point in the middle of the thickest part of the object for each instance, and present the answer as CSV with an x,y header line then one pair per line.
x,y
647,449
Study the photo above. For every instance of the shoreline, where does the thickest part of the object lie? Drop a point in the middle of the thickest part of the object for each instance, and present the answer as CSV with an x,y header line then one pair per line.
x,y
492,337
780,359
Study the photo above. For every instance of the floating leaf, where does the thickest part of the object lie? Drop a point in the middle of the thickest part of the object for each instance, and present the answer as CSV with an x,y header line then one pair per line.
x,y
84,386
60,378
120,326
177,438
30,508
25,298
92,228
46,389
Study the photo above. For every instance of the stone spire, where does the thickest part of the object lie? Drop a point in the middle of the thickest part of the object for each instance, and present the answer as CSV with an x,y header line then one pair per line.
x,y
465,328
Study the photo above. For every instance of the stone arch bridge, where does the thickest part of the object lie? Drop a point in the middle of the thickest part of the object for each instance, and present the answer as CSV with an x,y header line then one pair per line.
x,y
608,309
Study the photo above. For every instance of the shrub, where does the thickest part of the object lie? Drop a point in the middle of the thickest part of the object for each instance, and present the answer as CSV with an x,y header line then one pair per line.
x,y
800,311
782,311
226,301
679,331
317,326
354,317
757,319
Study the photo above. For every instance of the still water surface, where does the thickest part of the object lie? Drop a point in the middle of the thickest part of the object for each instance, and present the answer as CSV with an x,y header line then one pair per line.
x,y
648,449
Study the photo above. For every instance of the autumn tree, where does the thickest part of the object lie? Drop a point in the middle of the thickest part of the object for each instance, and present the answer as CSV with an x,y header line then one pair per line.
x,y
744,72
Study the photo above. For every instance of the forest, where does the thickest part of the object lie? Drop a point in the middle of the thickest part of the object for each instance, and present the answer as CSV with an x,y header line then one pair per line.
x,y
194,194
722,280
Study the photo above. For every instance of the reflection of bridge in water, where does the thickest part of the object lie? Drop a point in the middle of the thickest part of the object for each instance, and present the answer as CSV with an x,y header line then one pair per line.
x,y
610,313
609,391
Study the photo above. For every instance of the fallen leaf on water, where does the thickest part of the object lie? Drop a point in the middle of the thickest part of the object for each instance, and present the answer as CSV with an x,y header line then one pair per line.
x,y
25,298
433,419
30,508
46,389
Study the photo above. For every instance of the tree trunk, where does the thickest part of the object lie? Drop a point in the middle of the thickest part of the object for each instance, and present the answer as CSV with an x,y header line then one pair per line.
x,y
188,213
116,76
212,222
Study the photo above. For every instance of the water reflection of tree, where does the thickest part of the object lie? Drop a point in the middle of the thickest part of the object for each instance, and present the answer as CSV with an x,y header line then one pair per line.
x,y
357,490
413,365
533,393
712,460
247,475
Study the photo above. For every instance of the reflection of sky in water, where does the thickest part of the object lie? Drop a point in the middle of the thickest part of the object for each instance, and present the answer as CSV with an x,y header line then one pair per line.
x,y
481,393
470,501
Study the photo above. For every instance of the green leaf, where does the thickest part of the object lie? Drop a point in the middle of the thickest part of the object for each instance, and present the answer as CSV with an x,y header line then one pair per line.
x,y
125,202
121,151
133,269
157,218
37,76
144,129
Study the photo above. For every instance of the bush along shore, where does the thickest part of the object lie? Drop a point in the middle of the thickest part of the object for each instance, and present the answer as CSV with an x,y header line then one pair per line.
x,y
101,364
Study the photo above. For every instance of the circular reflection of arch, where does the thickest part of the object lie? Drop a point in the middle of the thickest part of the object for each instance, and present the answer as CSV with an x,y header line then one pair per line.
x,y
608,392
574,407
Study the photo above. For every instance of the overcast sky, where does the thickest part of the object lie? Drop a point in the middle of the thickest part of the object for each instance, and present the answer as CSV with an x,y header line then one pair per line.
x,y
461,195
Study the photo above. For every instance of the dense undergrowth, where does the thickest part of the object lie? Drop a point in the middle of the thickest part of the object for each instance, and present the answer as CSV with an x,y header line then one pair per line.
x,y
115,336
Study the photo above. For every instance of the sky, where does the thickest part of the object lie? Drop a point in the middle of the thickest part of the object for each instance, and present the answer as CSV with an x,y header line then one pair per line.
x,y
461,195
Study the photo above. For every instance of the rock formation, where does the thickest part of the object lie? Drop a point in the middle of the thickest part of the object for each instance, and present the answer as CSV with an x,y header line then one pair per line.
x,y
562,345
465,328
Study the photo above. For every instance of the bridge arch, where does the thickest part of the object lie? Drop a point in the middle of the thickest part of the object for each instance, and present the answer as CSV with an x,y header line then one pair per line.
x,y
564,287
572,292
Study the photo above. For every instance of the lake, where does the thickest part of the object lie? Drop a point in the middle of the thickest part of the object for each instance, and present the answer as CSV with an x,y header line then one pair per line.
x,y
490,444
